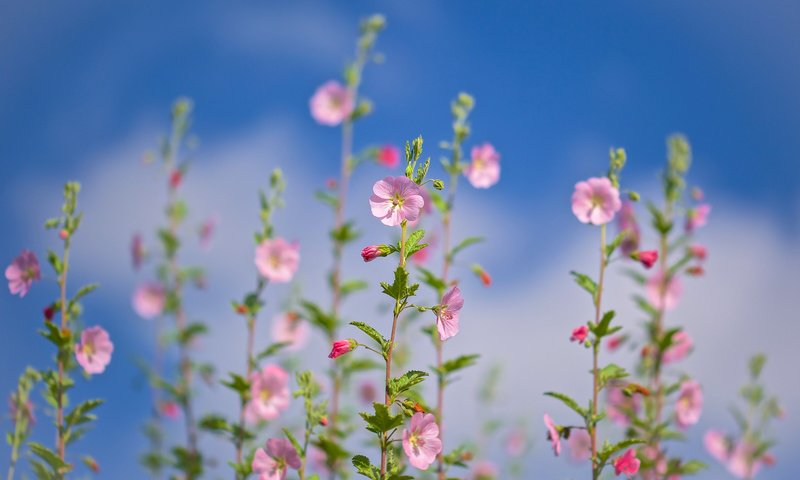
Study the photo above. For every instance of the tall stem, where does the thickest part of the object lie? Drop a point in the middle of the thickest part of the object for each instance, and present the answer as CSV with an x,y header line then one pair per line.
x,y
595,352
62,283
17,439
656,385
397,309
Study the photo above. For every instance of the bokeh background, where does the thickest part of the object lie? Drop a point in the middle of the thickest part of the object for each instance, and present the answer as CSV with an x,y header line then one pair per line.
x,y
86,87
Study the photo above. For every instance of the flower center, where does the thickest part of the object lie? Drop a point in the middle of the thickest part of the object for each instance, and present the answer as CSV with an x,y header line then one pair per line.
x,y
275,260
397,201
88,349
264,394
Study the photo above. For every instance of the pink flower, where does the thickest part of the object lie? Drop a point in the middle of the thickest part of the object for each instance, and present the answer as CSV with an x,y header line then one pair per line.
x,y
579,334
485,470
269,394
515,442
372,252
149,300
615,342
697,217
396,199
207,231
595,201
137,251
690,404
94,351
421,440
698,251
421,256
647,258
627,463
170,409
627,223
621,407
717,445
742,462
484,171
447,315
580,445
679,349
340,347
22,272
175,179
663,294
290,328
388,156
272,462
277,259
27,410
552,434
367,392
331,104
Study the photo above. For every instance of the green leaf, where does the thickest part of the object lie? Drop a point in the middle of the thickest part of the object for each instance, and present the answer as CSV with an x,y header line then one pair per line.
x,y
271,350
55,262
85,290
585,282
294,441
569,402
691,467
611,372
402,383
322,320
237,383
458,363
191,331
611,247
608,450
382,421
372,333
49,457
351,286
398,289
601,329
464,244
433,281
80,414
365,468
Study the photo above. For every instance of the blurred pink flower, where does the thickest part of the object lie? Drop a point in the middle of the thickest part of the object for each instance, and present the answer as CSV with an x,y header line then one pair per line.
x,y
331,104
689,406
580,445
615,342
447,316
94,351
698,251
742,462
170,409
290,328
395,199
484,470
552,434
595,201
697,217
24,269
272,462
340,347
627,463
680,348
269,394
277,259
621,407
319,460
668,298
516,442
27,410
137,251
484,170
627,223
421,256
207,231
149,299
388,156
717,445
421,440
579,334
367,392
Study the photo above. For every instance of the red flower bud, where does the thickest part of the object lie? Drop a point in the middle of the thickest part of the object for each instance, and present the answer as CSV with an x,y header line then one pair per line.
x,y
485,278
372,252
323,421
698,251
647,258
241,309
175,179
340,347
63,234
49,312
695,271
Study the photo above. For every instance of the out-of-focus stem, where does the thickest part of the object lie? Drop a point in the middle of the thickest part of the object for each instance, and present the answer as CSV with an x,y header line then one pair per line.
x,y
595,351
62,283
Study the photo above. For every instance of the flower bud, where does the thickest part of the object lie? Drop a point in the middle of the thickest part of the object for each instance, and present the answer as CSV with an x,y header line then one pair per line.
x,y
647,258
438,184
579,334
695,271
49,311
63,234
372,252
323,421
340,347
698,251
175,179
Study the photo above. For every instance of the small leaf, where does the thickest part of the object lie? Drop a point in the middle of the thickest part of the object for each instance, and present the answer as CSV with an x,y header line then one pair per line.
x,y
569,402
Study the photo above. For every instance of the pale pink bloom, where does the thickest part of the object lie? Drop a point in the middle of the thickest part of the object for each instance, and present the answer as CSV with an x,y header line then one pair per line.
x,y
697,217
447,316
149,300
741,462
24,269
207,231
332,103
27,410
717,445
515,442
395,199
290,328
595,201
580,445
627,223
340,347
680,348
94,351
621,407
690,404
277,259
484,170
627,463
421,440
698,251
272,462
388,156
319,460
367,392
170,409
579,334
137,251
661,295
552,434
484,470
269,394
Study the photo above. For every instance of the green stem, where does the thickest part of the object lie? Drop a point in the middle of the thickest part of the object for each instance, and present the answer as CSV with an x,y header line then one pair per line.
x,y
62,283
596,467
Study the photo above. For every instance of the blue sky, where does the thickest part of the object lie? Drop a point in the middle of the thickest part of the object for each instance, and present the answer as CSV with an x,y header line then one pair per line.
x,y
86,87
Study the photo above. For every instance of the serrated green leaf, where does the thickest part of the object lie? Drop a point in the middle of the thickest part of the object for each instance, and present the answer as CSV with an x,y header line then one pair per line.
x,y
569,402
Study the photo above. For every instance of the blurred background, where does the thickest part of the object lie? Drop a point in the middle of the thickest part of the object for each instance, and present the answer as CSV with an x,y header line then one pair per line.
x,y
86,89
